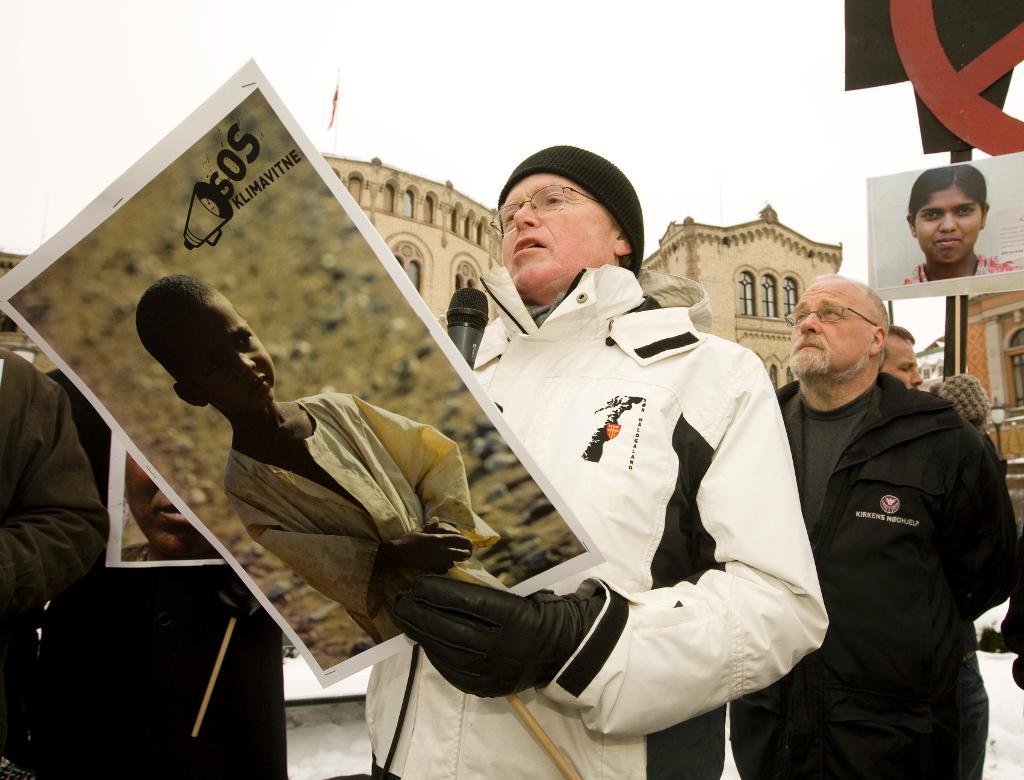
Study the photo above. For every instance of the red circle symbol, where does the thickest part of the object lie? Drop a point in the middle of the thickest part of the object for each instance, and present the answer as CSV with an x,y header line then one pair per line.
x,y
889,504
955,96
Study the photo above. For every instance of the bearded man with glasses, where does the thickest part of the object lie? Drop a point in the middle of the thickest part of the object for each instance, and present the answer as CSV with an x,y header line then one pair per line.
x,y
913,532
667,444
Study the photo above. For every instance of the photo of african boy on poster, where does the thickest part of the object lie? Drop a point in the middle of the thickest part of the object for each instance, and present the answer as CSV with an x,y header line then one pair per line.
x,y
243,326
355,499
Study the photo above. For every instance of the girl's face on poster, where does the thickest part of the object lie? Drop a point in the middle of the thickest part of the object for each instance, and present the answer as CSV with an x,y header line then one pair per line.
x,y
947,226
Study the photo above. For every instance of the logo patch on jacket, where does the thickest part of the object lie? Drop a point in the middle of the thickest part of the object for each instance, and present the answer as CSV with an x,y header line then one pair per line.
x,y
889,504
609,427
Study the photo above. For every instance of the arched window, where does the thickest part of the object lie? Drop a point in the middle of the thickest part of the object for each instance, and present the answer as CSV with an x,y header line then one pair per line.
x,y
789,375
768,297
790,293
388,203
407,204
746,289
428,210
415,273
465,226
480,232
773,374
412,261
453,222
355,187
465,276
1016,355
1017,363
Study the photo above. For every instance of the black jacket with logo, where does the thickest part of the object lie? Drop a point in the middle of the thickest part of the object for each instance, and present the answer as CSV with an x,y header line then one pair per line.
x,y
916,534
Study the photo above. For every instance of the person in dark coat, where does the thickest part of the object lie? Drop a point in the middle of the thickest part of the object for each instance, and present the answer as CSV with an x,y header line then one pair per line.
x,y
52,524
125,658
912,531
1013,623
968,397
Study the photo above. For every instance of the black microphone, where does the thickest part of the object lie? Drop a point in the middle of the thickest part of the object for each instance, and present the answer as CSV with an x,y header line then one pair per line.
x,y
467,318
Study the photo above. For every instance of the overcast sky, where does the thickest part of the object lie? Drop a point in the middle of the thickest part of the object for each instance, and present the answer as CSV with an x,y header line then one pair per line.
x,y
712,110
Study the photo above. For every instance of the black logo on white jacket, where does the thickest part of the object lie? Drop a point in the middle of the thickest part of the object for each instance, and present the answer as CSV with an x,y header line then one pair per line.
x,y
610,427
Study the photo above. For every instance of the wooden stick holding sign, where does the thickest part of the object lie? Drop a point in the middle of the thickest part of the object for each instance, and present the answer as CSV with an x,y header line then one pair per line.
x,y
955,358
567,770
213,675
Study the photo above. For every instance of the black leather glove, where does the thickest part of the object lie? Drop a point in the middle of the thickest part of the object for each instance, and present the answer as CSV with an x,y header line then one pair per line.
x,y
490,642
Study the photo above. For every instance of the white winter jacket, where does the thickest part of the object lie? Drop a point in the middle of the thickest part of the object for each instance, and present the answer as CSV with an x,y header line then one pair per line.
x,y
668,445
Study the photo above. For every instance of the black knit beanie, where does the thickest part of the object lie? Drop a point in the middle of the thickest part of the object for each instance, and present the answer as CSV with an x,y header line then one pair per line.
x,y
600,178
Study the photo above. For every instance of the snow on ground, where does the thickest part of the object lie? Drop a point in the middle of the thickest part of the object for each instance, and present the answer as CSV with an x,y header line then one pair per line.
x,y
329,739
326,726
992,618
317,751
1004,756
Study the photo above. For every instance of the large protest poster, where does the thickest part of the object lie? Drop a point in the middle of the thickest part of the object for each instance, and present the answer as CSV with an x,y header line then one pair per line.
x,y
237,198
949,230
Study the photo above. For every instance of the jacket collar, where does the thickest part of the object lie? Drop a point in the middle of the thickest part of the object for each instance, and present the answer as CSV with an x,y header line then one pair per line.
x,y
896,400
596,306
891,422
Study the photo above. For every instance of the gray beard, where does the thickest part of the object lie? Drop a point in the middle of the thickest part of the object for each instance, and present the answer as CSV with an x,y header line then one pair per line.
x,y
814,368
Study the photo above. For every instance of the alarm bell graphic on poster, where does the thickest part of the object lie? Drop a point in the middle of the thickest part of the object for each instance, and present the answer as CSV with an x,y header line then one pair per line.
x,y
207,213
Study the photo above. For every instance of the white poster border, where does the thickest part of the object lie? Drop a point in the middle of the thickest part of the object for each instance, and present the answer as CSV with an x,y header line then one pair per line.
x,y
241,85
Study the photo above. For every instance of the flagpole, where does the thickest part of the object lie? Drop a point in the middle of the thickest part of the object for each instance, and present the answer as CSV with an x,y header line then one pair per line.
x,y
334,109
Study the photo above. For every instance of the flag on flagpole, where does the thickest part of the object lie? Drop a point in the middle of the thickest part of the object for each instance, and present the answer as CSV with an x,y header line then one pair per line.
x,y
334,101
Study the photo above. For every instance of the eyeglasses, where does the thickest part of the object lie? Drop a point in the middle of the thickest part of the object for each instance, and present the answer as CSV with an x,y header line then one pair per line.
x,y
546,200
825,314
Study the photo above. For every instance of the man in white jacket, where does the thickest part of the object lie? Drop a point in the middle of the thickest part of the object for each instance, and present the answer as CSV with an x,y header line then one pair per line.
x,y
668,445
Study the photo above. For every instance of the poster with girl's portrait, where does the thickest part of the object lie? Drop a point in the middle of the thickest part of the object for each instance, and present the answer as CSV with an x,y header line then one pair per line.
x,y
240,325
949,230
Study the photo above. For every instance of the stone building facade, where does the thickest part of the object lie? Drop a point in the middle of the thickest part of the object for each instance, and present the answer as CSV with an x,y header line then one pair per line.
x,y
995,345
931,363
995,354
10,336
754,274
442,238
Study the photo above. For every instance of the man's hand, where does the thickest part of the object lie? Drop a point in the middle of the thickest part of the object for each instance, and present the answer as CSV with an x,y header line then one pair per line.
x,y
490,642
432,548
